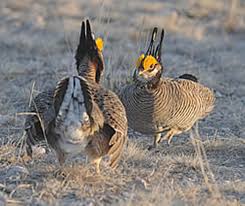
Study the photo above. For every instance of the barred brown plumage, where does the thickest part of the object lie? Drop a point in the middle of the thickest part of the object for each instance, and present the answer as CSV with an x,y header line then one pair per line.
x,y
155,105
90,64
110,138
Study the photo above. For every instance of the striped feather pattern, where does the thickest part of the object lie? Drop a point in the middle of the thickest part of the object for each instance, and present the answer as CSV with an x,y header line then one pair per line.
x,y
113,135
173,104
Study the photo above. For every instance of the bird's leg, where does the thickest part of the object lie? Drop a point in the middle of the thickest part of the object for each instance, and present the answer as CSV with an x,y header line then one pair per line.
x,y
170,138
60,171
28,147
97,164
157,138
61,158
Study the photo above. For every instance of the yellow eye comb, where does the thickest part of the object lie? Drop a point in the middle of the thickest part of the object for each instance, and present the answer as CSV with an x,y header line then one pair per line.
x,y
99,43
148,61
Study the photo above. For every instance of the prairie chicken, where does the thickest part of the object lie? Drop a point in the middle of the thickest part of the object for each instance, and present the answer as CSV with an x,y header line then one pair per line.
x,y
111,138
155,105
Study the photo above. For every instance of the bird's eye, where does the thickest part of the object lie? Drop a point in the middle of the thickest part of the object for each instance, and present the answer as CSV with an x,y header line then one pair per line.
x,y
151,68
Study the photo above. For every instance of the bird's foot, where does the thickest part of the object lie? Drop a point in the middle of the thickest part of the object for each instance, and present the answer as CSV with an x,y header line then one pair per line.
x,y
167,140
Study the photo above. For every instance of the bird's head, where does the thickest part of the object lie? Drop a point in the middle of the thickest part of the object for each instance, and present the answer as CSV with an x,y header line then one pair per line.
x,y
148,65
89,57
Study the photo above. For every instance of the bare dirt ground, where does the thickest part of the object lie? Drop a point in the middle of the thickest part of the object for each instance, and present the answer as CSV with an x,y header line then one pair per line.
x,y
205,38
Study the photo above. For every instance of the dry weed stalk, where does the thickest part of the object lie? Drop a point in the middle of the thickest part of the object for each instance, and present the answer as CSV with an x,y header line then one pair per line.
x,y
203,161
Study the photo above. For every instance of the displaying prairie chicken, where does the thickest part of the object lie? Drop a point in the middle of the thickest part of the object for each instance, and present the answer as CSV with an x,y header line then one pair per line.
x,y
155,104
111,137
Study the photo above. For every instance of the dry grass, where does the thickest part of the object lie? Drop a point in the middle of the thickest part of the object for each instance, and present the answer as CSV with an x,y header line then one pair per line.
x,y
206,38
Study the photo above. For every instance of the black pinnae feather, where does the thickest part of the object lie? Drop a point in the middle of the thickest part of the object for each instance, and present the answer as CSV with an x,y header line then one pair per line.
x,y
81,48
82,34
158,51
153,38
86,44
